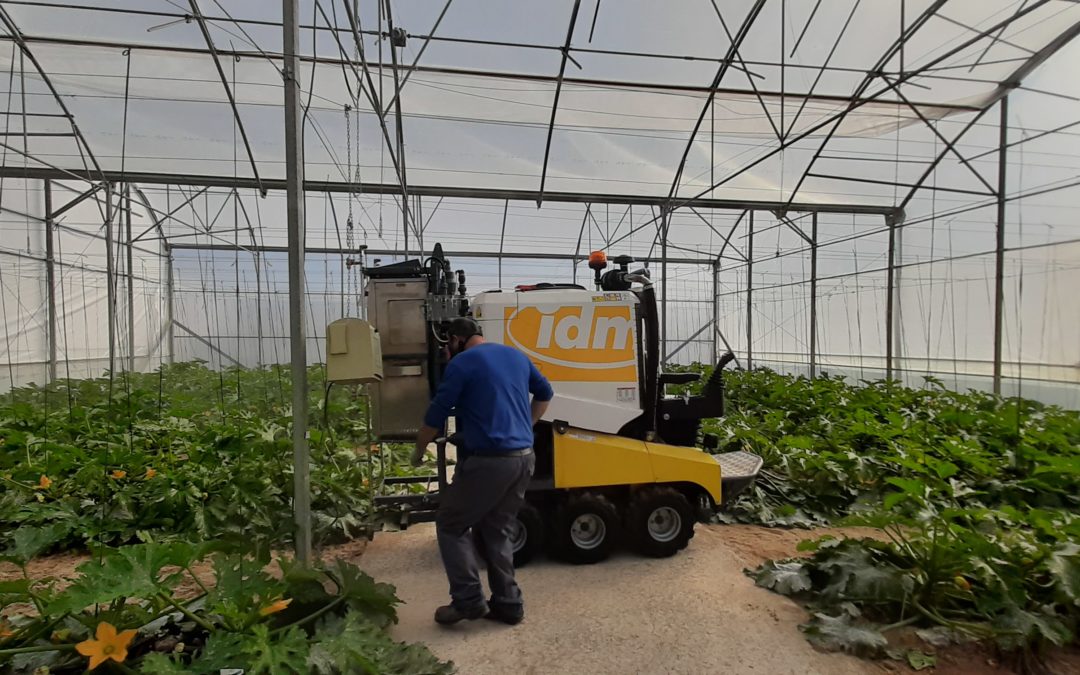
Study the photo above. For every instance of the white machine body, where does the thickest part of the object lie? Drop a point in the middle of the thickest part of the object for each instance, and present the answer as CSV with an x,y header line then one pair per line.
x,y
584,342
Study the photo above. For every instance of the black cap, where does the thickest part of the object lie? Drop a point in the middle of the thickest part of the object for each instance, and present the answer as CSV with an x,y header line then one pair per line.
x,y
464,327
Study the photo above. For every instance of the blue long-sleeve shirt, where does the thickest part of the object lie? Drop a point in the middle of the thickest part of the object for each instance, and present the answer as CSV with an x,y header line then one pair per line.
x,y
489,385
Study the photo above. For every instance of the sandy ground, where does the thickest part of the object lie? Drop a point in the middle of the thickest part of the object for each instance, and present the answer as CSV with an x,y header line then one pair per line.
x,y
694,613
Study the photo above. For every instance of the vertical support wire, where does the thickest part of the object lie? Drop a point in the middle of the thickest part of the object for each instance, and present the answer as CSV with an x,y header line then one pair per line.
x,y
750,292
813,294
50,278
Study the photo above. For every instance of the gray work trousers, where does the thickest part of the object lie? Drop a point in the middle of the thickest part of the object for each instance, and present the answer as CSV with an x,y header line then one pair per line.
x,y
486,494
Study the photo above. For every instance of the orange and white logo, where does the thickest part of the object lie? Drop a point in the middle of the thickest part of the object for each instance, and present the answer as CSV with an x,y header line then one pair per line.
x,y
580,343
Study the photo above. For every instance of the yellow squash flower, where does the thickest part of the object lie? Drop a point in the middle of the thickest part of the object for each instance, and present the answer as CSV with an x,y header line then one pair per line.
x,y
275,607
108,645
150,473
118,474
43,483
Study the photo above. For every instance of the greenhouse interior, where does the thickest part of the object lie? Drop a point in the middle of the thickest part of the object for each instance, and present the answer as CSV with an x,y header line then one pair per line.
x,y
872,206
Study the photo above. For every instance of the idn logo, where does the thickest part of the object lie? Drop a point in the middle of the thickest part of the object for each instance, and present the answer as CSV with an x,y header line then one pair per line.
x,y
582,342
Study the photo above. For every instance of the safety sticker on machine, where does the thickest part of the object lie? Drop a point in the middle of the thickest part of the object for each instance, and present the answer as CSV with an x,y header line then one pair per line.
x,y
626,394
608,297
582,437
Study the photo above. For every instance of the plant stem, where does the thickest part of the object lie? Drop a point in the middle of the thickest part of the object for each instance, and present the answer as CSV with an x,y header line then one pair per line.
x,y
900,624
311,617
35,649
187,612
195,577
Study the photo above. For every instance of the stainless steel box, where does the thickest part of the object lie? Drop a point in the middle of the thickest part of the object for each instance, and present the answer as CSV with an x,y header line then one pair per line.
x,y
396,307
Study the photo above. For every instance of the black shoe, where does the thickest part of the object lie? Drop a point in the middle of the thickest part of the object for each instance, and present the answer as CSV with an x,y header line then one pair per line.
x,y
449,614
511,615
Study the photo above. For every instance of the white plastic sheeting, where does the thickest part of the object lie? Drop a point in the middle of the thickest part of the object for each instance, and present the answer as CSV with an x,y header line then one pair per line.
x,y
147,98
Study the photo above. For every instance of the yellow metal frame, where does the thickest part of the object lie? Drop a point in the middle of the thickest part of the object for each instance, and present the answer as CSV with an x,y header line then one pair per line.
x,y
589,459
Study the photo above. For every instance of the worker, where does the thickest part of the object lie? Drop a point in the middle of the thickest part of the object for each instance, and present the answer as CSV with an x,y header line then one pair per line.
x,y
487,387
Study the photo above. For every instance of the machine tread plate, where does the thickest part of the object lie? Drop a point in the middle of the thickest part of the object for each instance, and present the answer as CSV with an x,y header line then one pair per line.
x,y
738,464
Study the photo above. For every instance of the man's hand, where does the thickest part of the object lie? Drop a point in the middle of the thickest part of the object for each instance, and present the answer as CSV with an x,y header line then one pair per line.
x,y
418,455
537,409
423,439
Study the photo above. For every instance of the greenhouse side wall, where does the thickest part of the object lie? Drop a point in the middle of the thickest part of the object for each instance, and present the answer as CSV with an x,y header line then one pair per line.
x,y
80,286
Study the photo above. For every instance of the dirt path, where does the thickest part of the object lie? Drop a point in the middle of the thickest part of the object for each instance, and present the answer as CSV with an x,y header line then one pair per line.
x,y
694,613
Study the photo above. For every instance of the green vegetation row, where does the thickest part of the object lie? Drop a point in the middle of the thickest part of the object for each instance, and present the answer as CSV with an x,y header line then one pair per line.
x,y
168,608
186,453
976,498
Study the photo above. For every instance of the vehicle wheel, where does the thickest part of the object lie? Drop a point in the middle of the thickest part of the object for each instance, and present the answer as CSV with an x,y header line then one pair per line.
x,y
526,536
586,528
660,521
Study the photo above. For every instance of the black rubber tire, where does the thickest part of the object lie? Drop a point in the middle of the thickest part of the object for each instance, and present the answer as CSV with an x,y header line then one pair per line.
x,y
643,505
577,505
530,518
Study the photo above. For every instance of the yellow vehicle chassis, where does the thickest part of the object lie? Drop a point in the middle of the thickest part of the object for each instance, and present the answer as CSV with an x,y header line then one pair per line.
x,y
586,459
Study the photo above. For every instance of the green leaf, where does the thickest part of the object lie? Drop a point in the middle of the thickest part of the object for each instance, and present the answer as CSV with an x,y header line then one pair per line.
x,y
854,574
257,653
1064,566
837,634
376,601
354,644
920,660
242,587
894,498
1017,627
910,486
785,578
128,572
29,542
160,664
945,470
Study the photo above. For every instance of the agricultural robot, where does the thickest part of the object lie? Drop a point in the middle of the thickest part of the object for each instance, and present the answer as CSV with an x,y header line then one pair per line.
x,y
616,457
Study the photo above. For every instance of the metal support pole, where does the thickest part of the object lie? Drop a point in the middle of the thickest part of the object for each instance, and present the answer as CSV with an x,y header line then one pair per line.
x,y
813,296
169,307
258,304
999,252
890,294
750,293
110,278
50,279
715,308
665,221
130,280
502,240
294,172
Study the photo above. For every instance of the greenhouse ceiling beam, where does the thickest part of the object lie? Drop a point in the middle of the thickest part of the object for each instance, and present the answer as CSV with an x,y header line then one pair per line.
x,y
94,189
907,32
951,147
521,255
399,135
1017,77
555,102
530,77
319,186
15,34
372,94
857,102
1008,84
228,90
732,52
176,17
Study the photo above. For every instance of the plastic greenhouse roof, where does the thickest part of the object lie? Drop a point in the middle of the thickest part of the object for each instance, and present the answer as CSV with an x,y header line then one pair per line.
x,y
810,85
